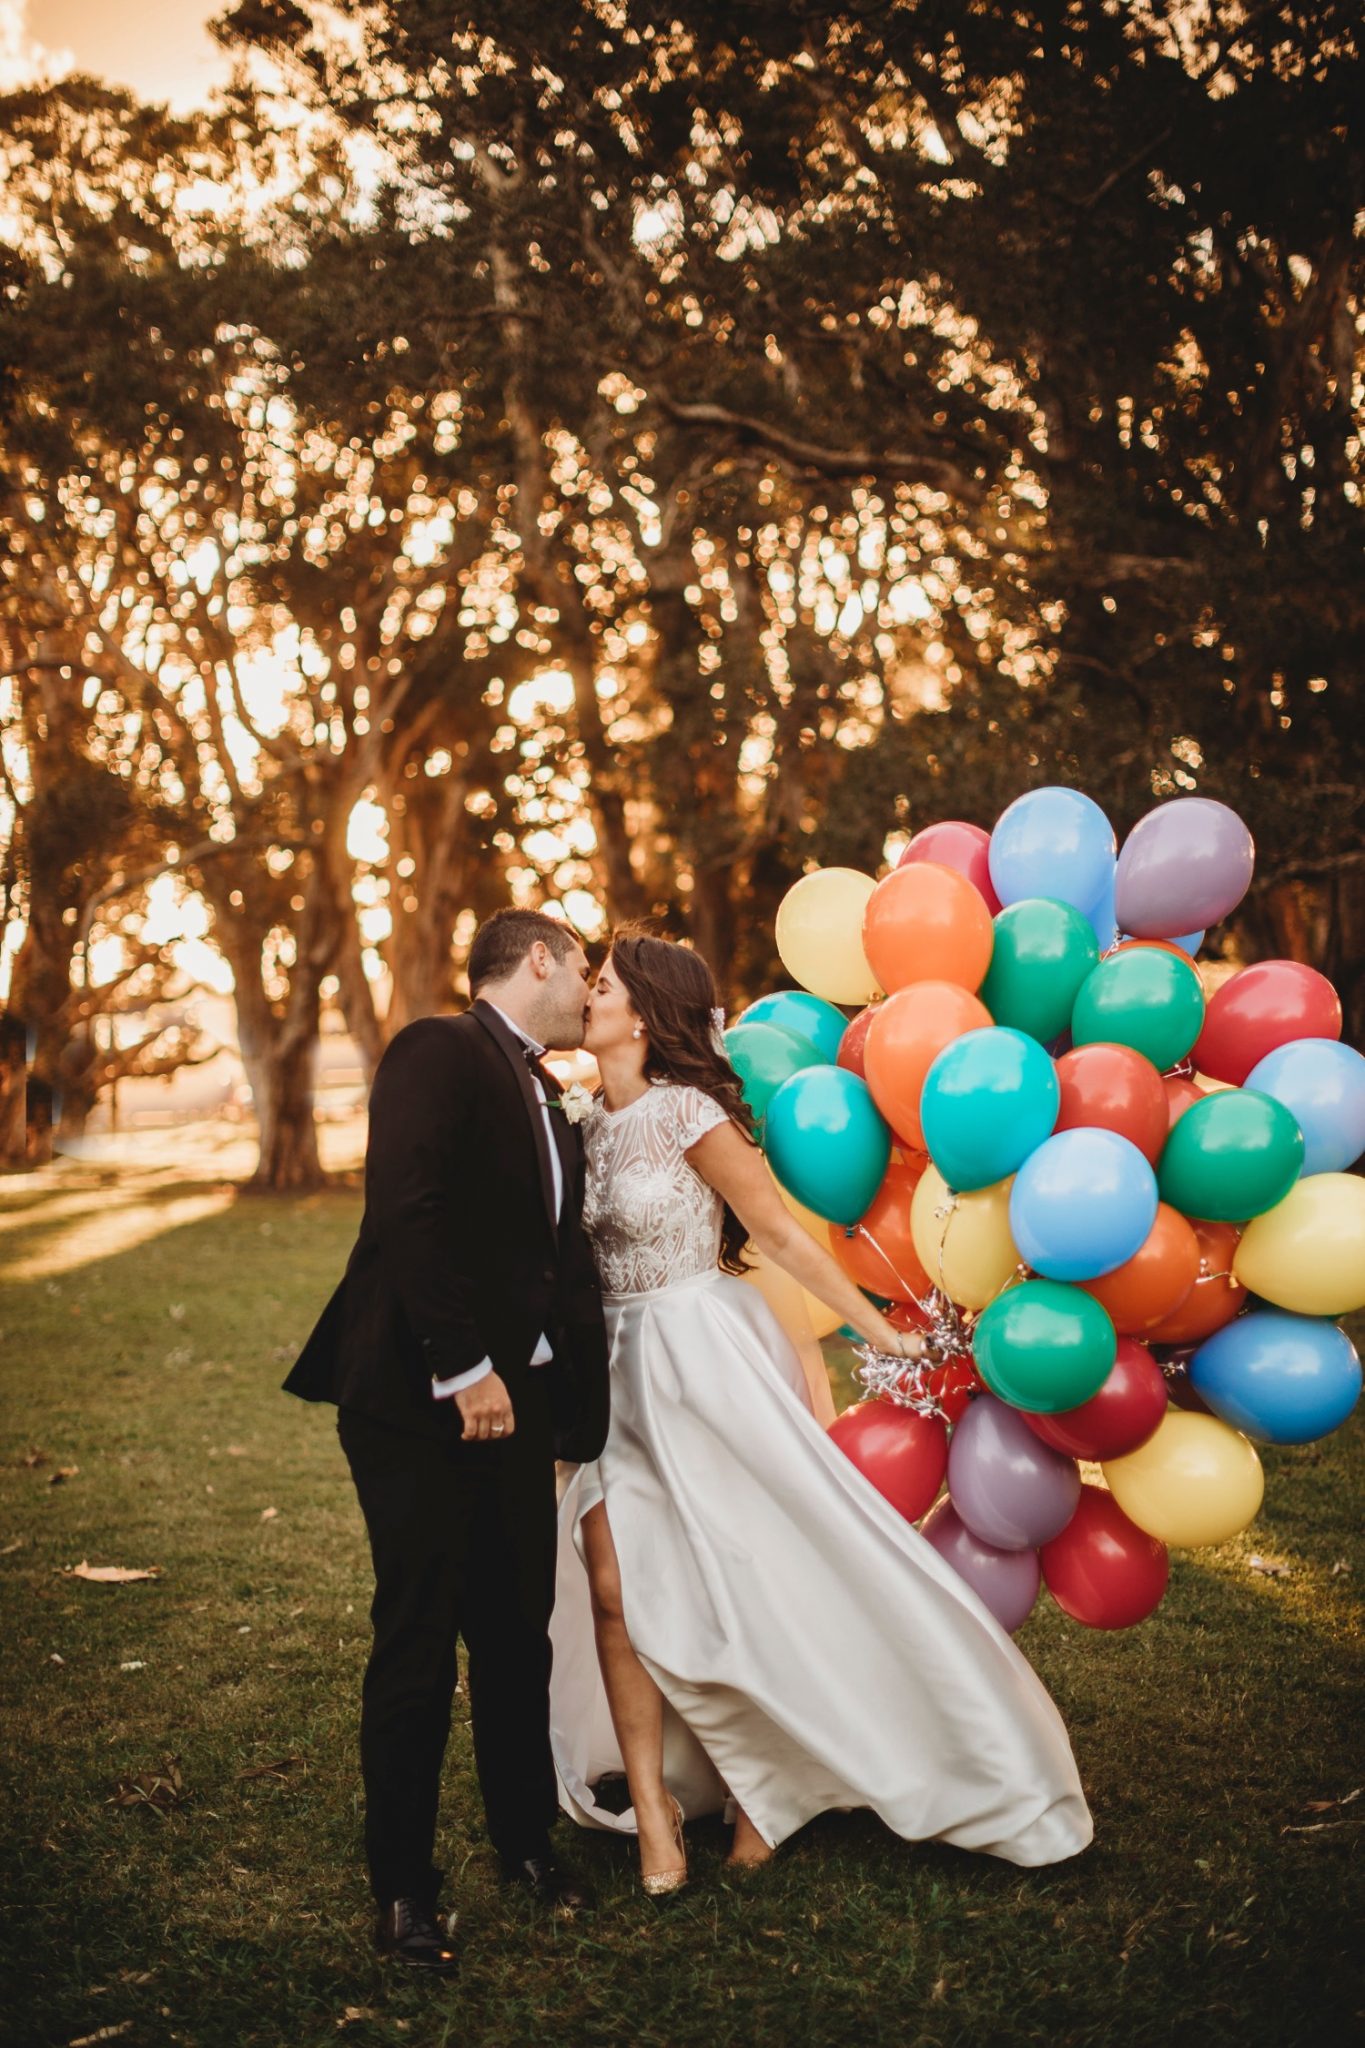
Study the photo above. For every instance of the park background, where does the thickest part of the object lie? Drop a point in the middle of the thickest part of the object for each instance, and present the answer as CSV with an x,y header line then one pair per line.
x,y
615,458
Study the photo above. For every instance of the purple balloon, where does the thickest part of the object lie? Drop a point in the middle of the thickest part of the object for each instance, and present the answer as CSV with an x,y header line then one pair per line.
x,y
1183,867
1010,1488
1006,1581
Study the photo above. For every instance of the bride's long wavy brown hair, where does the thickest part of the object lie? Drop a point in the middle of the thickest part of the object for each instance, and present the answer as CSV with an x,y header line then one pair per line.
x,y
672,992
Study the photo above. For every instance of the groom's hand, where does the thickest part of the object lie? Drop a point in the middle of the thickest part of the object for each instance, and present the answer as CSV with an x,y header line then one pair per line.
x,y
486,1410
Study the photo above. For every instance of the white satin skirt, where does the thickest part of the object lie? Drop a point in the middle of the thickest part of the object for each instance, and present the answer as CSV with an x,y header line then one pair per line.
x,y
813,1651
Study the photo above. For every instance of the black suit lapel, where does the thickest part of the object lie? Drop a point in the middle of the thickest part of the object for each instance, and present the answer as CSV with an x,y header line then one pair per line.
x,y
511,1048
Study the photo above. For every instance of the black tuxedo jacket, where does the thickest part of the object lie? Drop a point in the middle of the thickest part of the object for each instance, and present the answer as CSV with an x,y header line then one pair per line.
x,y
460,1256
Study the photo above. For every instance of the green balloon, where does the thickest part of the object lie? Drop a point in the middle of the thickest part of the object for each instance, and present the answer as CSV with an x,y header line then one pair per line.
x,y
1044,1347
1230,1157
764,1056
1044,949
1144,997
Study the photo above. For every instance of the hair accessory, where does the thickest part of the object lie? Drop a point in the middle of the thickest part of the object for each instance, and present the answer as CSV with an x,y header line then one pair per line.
x,y
718,1031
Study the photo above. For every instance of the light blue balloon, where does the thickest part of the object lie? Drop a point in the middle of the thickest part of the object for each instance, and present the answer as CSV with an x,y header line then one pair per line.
x,y
1279,1378
1322,1085
1102,919
808,1016
827,1142
1053,842
1081,1204
989,1098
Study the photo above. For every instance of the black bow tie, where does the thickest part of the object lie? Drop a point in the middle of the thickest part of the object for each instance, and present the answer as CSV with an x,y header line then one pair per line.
x,y
531,1057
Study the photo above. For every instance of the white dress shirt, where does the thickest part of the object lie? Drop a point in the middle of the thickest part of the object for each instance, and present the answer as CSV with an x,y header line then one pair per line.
x,y
441,1390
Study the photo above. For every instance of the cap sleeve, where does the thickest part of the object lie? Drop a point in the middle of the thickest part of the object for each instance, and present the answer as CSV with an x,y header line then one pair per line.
x,y
694,1114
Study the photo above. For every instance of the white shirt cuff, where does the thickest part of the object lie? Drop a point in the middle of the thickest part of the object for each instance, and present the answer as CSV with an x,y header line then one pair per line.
x,y
441,1390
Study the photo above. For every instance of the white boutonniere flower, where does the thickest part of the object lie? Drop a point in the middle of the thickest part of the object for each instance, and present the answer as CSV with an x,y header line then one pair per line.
x,y
575,1102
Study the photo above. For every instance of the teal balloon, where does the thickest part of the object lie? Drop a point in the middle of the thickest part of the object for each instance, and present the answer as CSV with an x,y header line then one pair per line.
x,y
1044,1347
1144,997
827,1142
764,1056
1044,949
806,1015
1230,1157
988,1100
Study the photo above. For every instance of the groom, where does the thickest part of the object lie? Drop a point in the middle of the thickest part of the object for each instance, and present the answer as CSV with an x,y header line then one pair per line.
x,y
465,1350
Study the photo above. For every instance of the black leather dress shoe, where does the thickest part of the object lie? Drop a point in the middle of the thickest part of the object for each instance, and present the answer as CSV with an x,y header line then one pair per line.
x,y
548,1881
408,1933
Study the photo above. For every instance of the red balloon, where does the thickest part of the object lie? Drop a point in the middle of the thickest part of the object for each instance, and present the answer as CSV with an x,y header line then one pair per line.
x,y
1103,1570
951,1384
953,844
1113,1088
854,1040
903,1454
1123,1414
1174,1361
1216,1295
1181,1094
1151,1285
1263,1007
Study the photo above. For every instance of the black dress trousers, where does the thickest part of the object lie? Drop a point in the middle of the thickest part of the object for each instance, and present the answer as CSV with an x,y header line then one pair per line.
x,y
463,1541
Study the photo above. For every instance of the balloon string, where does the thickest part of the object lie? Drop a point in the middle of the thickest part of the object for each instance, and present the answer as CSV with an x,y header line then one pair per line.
x,y
885,1376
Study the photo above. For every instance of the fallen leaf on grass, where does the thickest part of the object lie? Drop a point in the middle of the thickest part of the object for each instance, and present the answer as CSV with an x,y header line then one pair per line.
x,y
1270,1567
55,1659
32,1457
133,1664
62,1472
113,2033
162,1790
269,1514
354,2013
109,1574
275,1770
9,1549
939,1994
1338,1568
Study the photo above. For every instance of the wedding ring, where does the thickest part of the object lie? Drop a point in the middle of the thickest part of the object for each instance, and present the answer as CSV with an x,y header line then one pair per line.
x,y
498,1428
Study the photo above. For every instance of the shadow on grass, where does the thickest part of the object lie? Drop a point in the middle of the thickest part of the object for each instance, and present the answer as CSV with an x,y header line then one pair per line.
x,y
242,1917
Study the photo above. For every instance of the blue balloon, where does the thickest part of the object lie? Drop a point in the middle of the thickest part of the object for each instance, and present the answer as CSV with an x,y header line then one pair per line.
x,y
808,1016
1322,1085
1279,1378
989,1098
1053,842
827,1142
1081,1204
1102,917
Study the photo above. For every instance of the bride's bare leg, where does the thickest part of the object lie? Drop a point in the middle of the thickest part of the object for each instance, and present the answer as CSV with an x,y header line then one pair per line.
x,y
635,1700
748,1847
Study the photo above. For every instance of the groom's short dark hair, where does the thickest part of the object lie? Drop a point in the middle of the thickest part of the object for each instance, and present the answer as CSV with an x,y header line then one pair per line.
x,y
502,942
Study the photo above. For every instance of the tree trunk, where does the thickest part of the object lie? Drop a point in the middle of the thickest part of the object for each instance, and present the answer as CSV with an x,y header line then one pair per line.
x,y
13,1095
282,1084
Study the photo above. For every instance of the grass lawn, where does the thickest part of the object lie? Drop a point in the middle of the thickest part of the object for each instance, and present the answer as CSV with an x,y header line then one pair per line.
x,y
147,1320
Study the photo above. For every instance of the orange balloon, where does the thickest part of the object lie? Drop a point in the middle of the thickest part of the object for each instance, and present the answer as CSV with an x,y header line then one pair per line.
x,y
878,1252
1166,945
927,923
1151,1285
1181,1094
907,1035
1215,1297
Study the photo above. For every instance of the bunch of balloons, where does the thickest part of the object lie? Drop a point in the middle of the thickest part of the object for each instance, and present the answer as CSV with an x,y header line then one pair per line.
x,y
1121,1212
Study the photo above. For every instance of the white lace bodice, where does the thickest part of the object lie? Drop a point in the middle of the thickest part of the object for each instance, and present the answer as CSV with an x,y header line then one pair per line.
x,y
651,1217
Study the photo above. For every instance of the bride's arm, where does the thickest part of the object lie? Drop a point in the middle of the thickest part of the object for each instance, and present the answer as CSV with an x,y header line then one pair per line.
x,y
739,1173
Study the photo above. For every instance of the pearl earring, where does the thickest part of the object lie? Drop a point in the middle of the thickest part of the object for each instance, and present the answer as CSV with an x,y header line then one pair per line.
x,y
636,1032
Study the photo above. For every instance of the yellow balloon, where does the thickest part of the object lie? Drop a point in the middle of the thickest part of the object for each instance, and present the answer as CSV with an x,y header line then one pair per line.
x,y
1196,1481
820,935
788,1301
964,1241
824,1320
1307,1254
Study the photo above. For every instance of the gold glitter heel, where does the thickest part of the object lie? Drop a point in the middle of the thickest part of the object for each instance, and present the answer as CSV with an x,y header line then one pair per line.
x,y
663,1884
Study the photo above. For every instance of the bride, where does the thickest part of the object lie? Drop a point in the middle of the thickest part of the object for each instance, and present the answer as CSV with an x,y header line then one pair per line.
x,y
740,1615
